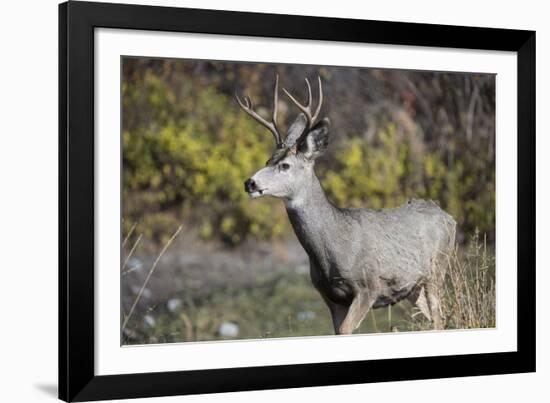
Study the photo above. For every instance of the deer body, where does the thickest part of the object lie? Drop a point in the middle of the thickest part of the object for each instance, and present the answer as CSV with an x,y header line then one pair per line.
x,y
359,258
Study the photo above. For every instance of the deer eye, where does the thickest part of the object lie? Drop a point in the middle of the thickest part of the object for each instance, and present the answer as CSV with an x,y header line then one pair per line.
x,y
284,166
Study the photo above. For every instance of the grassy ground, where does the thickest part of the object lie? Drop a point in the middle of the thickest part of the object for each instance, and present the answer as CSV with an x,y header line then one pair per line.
x,y
287,305
281,307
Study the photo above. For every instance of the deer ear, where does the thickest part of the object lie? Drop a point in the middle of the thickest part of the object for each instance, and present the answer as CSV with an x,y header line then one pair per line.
x,y
316,141
295,130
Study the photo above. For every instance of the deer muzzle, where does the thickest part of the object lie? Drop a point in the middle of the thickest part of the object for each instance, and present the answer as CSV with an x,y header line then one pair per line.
x,y
251,187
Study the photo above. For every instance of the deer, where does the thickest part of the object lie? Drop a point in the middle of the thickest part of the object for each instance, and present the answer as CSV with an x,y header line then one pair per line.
x,y
359,258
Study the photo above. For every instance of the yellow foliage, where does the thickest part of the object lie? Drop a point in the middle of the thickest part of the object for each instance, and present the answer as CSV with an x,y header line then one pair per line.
x,y
193,148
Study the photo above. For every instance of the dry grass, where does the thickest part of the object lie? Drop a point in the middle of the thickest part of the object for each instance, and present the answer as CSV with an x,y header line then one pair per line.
x,y
468,297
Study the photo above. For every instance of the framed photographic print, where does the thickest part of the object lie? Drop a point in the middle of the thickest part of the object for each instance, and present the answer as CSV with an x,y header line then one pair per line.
x,y
258,201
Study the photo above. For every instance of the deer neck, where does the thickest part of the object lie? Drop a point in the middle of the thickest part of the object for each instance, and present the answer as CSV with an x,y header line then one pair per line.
x,y
312,216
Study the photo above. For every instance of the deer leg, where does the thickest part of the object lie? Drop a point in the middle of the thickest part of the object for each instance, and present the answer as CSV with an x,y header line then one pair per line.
x,y
337,312
356,313
432,288
419,299
434,307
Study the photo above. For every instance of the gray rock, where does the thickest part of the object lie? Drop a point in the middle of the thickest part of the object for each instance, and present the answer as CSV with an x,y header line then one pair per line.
x,y
228,329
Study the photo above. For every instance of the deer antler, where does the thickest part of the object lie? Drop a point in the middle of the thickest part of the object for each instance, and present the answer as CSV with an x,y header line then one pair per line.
x,y
306,109
246,105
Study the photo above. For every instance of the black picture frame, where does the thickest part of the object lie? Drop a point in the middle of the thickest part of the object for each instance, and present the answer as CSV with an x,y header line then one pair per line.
x,y
77,21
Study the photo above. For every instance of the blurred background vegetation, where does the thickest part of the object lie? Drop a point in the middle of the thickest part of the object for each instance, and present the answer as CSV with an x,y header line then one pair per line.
x,y
187,149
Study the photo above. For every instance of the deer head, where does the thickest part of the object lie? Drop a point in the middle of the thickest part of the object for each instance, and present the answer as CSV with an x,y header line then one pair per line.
x,y
290,168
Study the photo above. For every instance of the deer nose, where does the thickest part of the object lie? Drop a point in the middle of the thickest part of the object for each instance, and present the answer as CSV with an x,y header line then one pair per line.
x,y
250,185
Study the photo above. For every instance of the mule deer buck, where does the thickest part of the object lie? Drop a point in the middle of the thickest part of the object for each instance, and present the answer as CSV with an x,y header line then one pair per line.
x,y
359,258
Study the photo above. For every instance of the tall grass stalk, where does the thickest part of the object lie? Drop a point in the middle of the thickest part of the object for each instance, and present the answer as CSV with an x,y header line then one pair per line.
x,y
136,243
153,267
129,234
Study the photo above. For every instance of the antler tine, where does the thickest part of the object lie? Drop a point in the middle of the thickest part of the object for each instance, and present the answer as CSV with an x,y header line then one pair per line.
x,y
316,115
306,109
246,105
275,108
309,97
